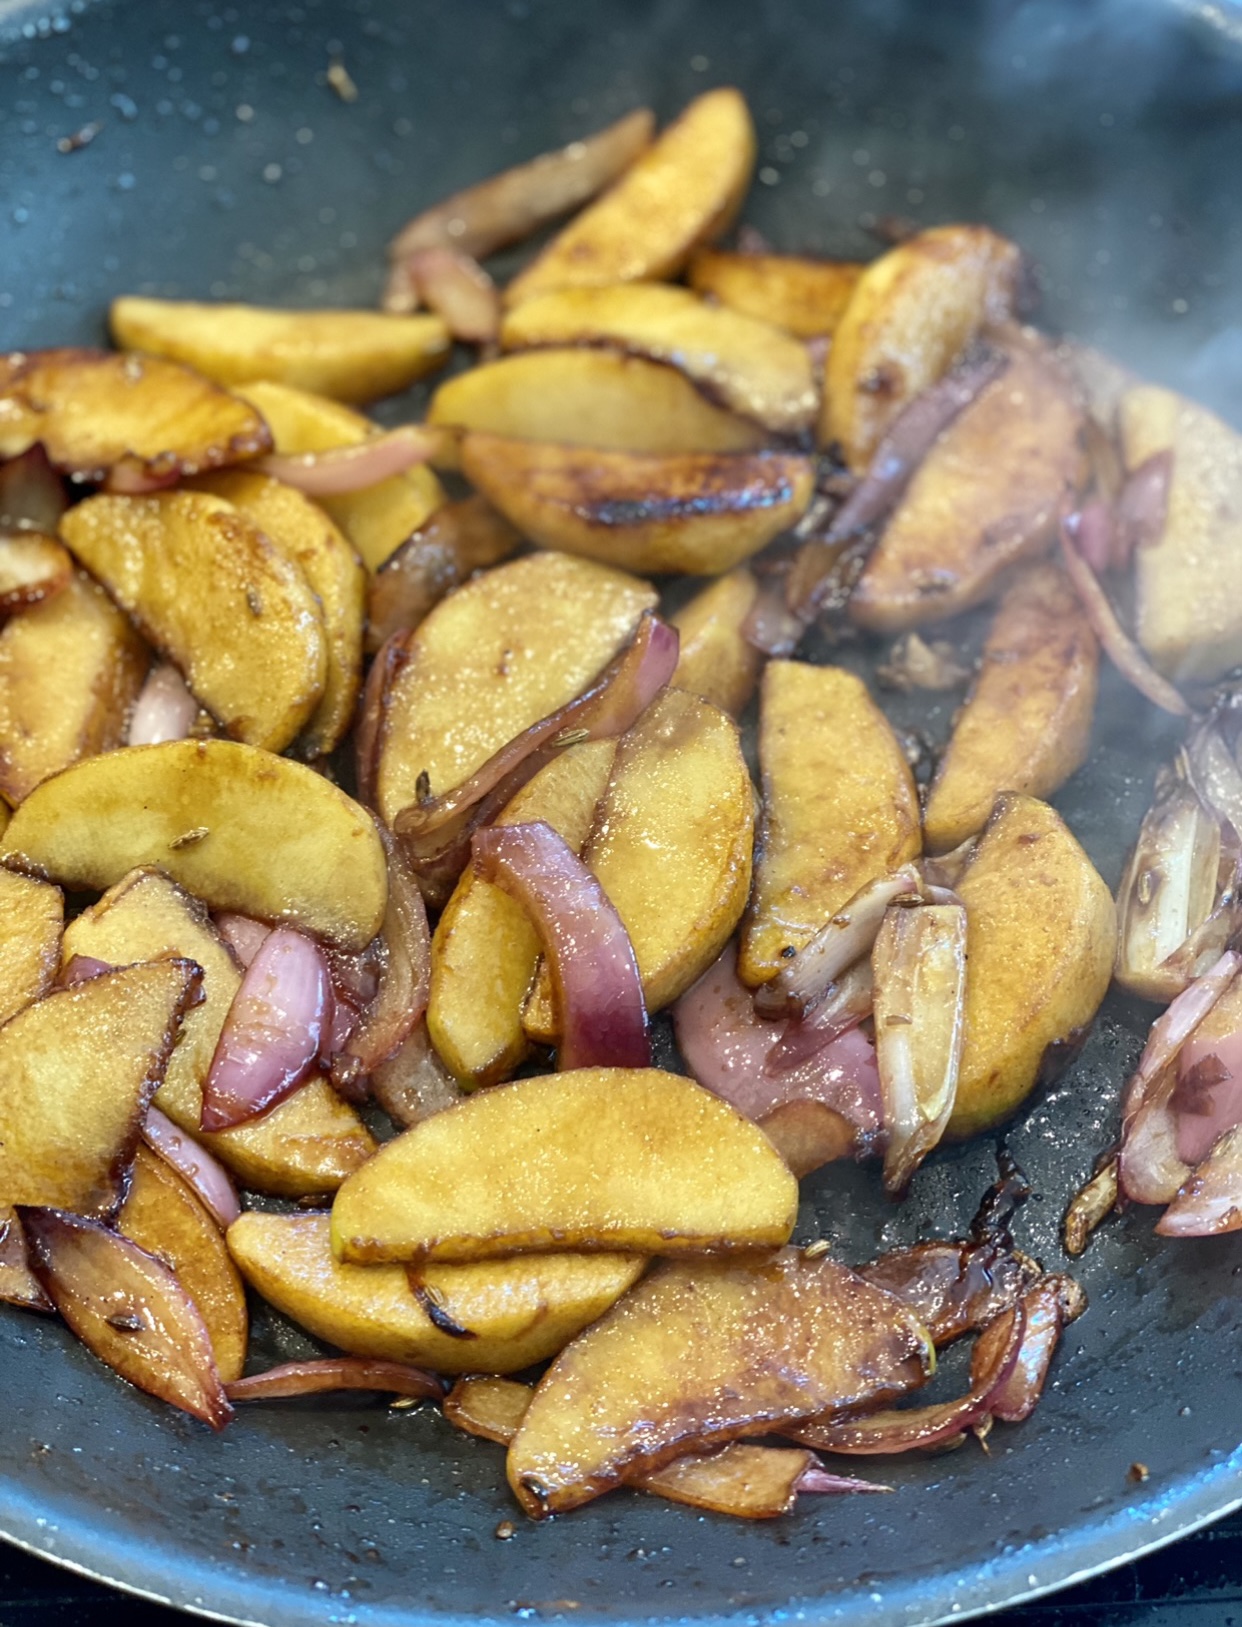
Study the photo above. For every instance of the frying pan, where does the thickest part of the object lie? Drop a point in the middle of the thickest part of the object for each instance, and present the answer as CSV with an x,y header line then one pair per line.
x,y
1105,138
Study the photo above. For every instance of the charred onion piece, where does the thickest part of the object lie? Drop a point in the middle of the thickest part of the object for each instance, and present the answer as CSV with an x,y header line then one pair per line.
x,y
1121,649
393,656
129,1309
518,201
953,1288
18,1284
1015,1398
803,980
296,1378
210,1181
919,965
1210,1201
274,1031
164,710
1089,1206
597,990
353,468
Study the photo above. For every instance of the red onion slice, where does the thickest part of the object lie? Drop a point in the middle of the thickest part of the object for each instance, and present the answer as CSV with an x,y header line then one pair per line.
x,y
1143,505
345,469
273,1033
1016,1398
129,1309
244,936
902,1430
414,1084
1121,649
18,1284
803,980
210,1180
79,968
457,289
1213,770
1097,535
919,964
815,1478
848,1002
1148,1167
1090,1206
164,710
436,833
387,666
1210,1201
1174,1027
32,494
1208,1096
953,1288
596,986
296,1378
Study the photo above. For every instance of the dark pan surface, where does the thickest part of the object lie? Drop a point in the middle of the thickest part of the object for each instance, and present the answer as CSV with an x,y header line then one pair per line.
x,y
1109,142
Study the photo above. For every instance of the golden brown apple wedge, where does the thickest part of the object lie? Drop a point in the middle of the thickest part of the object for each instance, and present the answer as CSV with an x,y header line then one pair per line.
x,y
586,397
376,520
77,1073
127,417
985,498
805,297
694,512
1026,724
349,355
750,367
595,1158
671,846
1040,938
500,1315
239,828
1184,622
303,533
910,315
33,567
205,585
485,950
309,1142
162,1215
840,808
715,660
684,190
459,539
32,915
99,662
18,1283
504,651
700,1353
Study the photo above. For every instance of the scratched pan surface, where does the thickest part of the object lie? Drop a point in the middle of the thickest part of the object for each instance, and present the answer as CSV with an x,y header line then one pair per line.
x,y
1108,142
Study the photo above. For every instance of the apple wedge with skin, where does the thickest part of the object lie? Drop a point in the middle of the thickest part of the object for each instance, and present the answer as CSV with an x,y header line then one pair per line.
x,y
238,827
376,520
704,1352
504,651
77,1073
594,1158
349,355
98,415
755,370
306,1144
840,808
32,916
684,190
162,1215
805,297
671,847
715,660
585,397
485,951
209,590
1041,934
699,513
499,1315
99,662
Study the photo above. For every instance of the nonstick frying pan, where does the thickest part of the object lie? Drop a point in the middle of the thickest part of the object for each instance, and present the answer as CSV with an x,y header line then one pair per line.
x,y
1105,138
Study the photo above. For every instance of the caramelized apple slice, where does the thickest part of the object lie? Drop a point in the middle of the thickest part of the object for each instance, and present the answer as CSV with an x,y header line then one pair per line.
x,y
459,539
598,1158
31,917
805,297
77,1073
33,567
703,1352
715,660
127,417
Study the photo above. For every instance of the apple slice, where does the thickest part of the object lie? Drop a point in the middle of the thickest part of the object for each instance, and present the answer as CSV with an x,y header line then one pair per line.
x,y
77,1073
376,520
840,808
684,190
593,1158
33,567
239,828
695,512
309,1142
758,371
702,1352
99,415
500,1315
350,355
163,1216
805,297
31,917
99,662
210,591
715,660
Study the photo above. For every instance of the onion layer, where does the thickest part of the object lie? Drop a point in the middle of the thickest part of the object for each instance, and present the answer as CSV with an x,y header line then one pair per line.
x,y
206,1175
274,1031
1210,1201
345,469
164,710
596,987
458,290
244,936
296,1378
